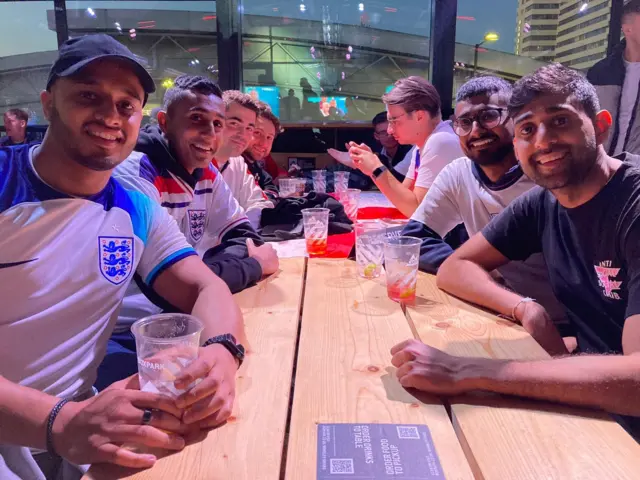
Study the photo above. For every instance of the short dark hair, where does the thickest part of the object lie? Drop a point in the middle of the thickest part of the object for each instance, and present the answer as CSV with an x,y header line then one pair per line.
x,y
414,93
264,111
379,118
630,7
189,83
19,114
242,99
555,79
484,86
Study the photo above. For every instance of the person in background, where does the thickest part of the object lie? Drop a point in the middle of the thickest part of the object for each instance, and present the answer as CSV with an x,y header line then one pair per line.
x,y
617,81
290,107
413,113
397,158
241,113
267,128
72,240
172,166
584,217
474,189
15,124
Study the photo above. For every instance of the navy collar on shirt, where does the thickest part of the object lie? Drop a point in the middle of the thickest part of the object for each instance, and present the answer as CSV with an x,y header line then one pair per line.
x,y
512,176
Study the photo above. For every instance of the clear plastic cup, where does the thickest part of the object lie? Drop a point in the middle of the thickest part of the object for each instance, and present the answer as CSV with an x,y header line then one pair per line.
x,y
340,182
287,187
370,240
401,258
316,228
166,344
319,178
350,199
301,186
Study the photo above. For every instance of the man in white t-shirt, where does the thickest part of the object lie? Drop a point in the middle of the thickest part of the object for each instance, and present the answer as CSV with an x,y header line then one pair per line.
x,y
474,189
413,112
240,123
72,240
617,81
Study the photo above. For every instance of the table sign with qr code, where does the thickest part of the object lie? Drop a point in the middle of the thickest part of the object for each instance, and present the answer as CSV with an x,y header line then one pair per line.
x,y
375,451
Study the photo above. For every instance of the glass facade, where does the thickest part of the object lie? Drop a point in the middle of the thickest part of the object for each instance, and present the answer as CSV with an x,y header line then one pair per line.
x,y
314,61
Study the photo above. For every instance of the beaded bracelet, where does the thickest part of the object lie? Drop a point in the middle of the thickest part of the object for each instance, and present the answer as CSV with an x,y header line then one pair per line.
x,y
52,417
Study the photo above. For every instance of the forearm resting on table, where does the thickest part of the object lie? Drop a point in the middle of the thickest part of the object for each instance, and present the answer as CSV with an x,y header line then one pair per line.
x,y
23,415
469,281
400,196
609,382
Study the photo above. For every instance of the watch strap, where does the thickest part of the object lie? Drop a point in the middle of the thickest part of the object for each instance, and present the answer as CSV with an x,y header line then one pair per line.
x,y
379,171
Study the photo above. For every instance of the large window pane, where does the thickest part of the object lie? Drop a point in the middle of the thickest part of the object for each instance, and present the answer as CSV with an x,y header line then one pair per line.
x,y
28,45
530,33
169,37
330,60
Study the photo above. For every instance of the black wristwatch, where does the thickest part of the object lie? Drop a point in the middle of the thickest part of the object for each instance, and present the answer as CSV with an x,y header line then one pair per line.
x,y
228,341
378,171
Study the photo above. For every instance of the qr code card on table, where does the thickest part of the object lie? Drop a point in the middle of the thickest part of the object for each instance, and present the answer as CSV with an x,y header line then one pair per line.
x,y
375,451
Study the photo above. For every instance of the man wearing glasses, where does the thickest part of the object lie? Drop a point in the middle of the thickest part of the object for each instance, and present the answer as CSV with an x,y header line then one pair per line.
x,y
414,116
397,158
474,189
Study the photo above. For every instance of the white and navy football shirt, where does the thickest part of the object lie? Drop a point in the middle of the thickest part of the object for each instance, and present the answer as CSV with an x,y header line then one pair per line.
x,y
65,264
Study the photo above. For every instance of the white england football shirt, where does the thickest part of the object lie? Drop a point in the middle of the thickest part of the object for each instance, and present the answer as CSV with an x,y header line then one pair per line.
x,y
204,212
65,264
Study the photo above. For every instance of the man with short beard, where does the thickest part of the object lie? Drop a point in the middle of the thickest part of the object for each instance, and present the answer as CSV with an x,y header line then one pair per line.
x,y
584,217
474,189
72,240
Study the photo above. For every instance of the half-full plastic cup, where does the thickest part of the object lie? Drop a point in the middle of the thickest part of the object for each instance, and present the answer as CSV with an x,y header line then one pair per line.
x,y
370,240
401,258
319,178
166,344
316,228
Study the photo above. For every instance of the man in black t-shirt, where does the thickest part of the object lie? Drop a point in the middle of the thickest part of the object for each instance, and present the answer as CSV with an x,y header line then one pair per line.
x,y
585,219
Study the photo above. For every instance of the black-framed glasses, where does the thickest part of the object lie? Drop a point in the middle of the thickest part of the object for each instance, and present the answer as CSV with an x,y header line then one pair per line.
x,y
488,118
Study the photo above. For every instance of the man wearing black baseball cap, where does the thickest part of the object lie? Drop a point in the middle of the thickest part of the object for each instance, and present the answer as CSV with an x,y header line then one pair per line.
x,y
72,240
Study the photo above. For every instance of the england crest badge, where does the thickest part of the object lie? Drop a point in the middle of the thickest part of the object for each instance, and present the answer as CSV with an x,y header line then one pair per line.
x,y
197,219
116,258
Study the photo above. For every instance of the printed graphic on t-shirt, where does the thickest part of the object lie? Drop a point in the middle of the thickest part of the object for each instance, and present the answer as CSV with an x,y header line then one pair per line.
x,y
606,279
196,223
116,255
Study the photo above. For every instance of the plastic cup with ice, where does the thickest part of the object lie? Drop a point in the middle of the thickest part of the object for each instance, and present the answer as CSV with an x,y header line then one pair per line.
x,y
166,344
370,240
316,228
401,258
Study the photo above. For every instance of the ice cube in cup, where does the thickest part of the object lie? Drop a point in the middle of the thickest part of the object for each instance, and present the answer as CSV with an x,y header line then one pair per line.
x,y
165,344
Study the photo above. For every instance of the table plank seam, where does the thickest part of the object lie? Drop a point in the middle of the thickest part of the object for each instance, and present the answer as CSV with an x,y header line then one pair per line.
x,y
287,427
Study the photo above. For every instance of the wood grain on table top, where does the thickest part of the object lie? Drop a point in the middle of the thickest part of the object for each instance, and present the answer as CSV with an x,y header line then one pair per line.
x,y
344,372
250,446
511,438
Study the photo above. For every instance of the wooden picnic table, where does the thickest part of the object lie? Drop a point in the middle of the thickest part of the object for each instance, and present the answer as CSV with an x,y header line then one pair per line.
x,y
343,327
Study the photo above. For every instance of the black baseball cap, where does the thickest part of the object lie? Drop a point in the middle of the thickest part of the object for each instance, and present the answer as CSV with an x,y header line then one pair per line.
x,y
77,53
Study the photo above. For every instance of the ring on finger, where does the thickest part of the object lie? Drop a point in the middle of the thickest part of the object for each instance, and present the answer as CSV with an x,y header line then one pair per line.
x,y
146,416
